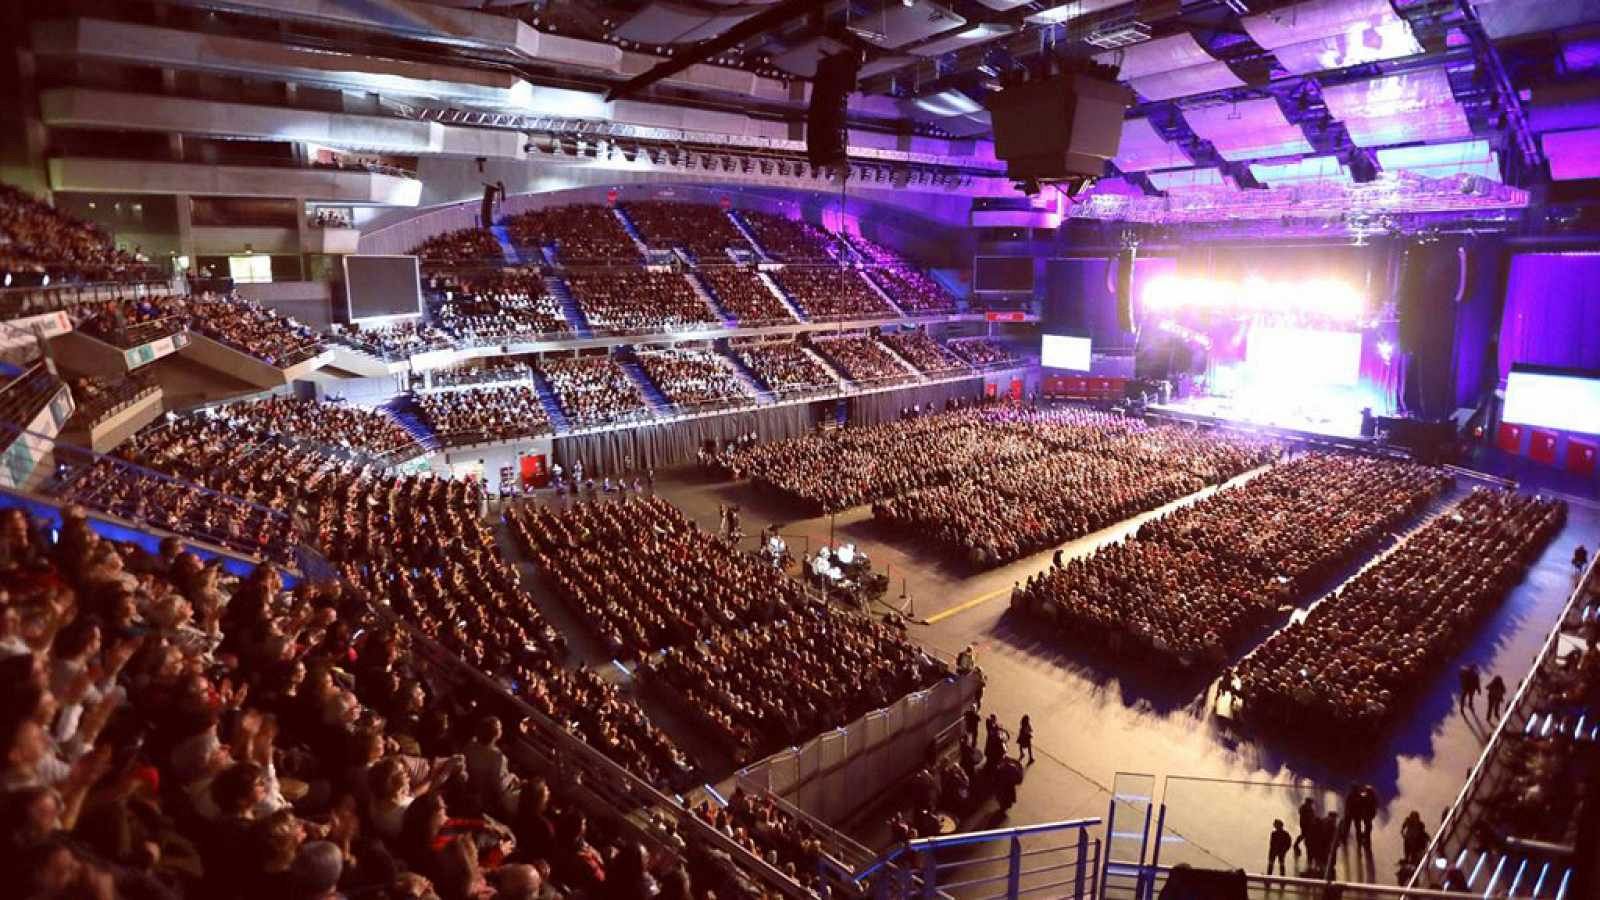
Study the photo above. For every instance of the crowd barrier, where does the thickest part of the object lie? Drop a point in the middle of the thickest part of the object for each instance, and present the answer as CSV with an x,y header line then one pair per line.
x,y
839,772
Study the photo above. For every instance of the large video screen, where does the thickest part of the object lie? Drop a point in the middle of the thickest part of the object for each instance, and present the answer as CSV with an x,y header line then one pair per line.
x,y
997,274
1060,351
382,286
1304,356
1563,399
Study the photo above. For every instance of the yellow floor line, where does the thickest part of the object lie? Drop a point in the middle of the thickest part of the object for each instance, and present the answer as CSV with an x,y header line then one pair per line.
x,y
963,607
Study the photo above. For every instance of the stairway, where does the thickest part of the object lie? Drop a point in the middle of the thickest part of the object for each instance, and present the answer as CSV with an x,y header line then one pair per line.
x,y
749,235
507,250
548,251
629,364
551,403
904,363
403,409
747,376
632,230
711,299
783,297
866,275
827,365
571,310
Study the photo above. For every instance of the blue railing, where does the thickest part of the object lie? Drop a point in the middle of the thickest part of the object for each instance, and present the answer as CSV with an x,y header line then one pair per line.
x,y
1053,859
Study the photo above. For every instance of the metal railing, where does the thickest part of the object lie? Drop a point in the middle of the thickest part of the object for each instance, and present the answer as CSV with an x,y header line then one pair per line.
x,y
1050,860
1275,887
1453,840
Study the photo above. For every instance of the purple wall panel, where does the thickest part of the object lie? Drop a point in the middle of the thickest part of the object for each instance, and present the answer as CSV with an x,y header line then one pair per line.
x,y
1552,311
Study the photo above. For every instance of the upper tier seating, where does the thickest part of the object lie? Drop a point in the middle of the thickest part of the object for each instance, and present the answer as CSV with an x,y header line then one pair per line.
x,y
692,378
863,360
833,294
980,351
702,229
742,293
593,391
38,240
482,415
639,300
131,321
253,329
786,367
370,432
453,248
788,240
491,306
583,234
911,290
924,352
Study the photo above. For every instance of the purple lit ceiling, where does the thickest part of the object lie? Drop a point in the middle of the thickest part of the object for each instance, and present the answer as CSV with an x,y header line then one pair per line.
x,y
1332,34
1170,67
1248,129
1185,180
1573,154
1399,109
1310,170
1441,160
1142,148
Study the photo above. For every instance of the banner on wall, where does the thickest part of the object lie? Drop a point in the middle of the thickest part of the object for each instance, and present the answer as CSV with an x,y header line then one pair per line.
x,y
1509,438
1581,457
1005,316
535,471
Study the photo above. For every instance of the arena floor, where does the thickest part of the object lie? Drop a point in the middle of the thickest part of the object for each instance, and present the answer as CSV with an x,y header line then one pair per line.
x,y
1094,719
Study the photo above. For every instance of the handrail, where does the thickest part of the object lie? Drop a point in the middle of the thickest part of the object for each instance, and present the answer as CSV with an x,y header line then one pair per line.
x,y
1318,888
1459,806
972,837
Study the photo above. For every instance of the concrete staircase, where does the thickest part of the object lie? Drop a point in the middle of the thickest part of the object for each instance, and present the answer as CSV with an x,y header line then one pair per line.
x,y
747,376
783,297
548,251
658,402
827,366
866,275
404,409
507,249
749,234
551,403
711,299
571,310
904,363
631,229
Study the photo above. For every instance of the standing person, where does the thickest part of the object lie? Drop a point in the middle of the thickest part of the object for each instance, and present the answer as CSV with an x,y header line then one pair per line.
x,y
1308,824
971,719
1278,846
1580,558
1365,811
1497,697
1055,561
1330,844
1025,740
1414,835
1470,686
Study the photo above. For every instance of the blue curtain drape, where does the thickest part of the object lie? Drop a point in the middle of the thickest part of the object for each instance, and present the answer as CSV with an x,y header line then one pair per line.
x,y
1552,312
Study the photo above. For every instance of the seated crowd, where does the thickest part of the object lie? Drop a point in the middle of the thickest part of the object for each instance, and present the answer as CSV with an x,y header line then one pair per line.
x,y
253,329
700,228
482,415
370,432
38,241
1188,588
490,306
862,359
743,294
832,294
924,352
914,292
582,233
469,245
1061,495
639,300
1374,642
691,378
812,668
646,579
488,372
593,390
789,240
980,351
785,367
170,733
399,340
95,397
131,321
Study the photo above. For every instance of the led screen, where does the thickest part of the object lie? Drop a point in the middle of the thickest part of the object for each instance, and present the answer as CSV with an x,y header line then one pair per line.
x,y
1063,352
1303,356
1553,398
380,286
1012,274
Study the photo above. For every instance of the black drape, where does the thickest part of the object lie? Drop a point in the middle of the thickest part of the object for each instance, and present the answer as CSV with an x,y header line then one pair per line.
x,y
885,406
659,445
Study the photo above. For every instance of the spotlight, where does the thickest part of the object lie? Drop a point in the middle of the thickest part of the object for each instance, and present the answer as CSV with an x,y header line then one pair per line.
x,y
1385,351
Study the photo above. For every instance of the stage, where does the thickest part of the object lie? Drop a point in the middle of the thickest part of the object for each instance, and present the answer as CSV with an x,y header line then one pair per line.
x,y
1312,420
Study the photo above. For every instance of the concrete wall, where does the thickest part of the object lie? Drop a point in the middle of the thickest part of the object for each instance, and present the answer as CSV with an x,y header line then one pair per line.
x,y
311,302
